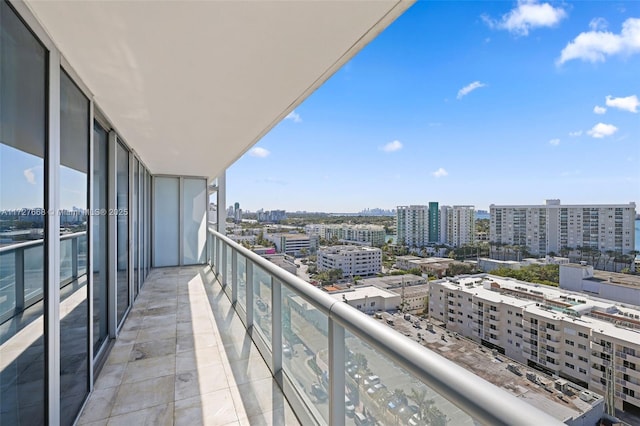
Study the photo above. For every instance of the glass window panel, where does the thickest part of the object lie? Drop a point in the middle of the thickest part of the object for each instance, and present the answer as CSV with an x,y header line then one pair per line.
x,y
242,279
165,221
74,318
135,212
262,303
385,393
100,237
122,187
23,65
304,339
194,199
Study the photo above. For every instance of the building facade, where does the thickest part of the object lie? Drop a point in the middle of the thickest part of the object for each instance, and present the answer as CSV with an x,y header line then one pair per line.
x,y
373,235
553,227
434,222
593,343
295,245
352,260
412,225
460,225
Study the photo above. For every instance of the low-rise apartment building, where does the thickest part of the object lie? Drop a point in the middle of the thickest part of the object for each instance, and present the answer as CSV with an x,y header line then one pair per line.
x,y
436,266
294,244
624,288
352,260
593,343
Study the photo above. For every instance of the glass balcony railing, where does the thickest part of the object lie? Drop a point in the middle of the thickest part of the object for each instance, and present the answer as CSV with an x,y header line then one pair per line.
x,y
338,366
22,273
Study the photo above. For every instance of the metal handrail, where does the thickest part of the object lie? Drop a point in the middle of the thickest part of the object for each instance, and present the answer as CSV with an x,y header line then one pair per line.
x,y
33,243
480,399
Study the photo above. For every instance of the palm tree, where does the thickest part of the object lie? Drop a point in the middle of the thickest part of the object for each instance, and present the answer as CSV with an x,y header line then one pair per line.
x,y
610,255
420,398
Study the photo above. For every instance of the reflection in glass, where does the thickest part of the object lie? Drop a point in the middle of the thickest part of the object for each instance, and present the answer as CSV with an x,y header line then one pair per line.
x,y
242,278
262,303
134,213
74,319
304,350
122,220
385,393
100,237
23,64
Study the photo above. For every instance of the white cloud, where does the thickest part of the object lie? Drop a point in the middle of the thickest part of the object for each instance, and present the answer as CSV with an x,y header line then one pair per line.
x,y
392,146
294,116
602,130
529,14
575,134
555,142
29,175
469,88
630,103
598,24
440,173
596,45
599,110
259,152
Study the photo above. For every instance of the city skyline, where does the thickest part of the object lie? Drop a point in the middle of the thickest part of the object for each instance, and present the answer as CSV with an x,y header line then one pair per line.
x,y
465,103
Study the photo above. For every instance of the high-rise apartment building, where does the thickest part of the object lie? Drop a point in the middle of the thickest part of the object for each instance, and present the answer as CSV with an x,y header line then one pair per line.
x,y
460,225
412,225
434,222
553,227
593,343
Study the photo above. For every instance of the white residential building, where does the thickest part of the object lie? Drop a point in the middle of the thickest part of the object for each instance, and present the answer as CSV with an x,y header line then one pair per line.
x,y
373,235
294,244
352,260
460,225
369,299
553,227
624,288
593,343
412,225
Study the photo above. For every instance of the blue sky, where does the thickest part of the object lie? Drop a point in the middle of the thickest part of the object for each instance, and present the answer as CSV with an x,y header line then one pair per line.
x,y
465,103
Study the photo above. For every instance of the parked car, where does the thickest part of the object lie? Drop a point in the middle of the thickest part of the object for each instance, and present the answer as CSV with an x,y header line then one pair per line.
x,y
376,388
319,392
371,380
349,408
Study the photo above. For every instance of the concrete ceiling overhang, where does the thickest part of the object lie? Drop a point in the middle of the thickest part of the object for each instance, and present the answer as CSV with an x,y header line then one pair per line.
x,y
192,85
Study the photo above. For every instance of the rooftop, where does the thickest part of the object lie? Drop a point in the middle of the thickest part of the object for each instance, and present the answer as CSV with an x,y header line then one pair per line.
x,y
495,368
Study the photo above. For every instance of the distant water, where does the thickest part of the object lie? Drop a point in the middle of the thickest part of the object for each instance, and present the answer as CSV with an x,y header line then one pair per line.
x,y
637,234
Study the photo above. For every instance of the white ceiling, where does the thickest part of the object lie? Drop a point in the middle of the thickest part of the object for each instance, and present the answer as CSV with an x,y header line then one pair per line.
x,y
192,85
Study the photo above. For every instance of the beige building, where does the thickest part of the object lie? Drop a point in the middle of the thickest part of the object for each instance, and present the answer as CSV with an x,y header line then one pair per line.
x,y
593,343
352,260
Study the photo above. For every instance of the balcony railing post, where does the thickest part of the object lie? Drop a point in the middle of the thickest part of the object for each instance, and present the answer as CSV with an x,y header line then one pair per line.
x,y
224,268
249,296
234,276
218,256
19,279
74,258
336,374
276,325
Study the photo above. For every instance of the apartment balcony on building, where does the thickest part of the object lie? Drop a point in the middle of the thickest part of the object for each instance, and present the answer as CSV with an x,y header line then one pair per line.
x,y
120,301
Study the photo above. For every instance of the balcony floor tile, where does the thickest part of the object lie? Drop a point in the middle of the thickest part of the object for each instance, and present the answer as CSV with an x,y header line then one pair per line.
x,y
184,357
